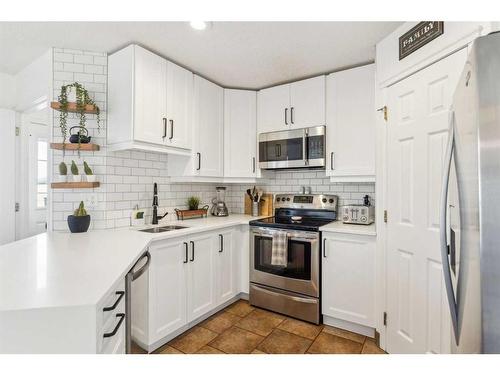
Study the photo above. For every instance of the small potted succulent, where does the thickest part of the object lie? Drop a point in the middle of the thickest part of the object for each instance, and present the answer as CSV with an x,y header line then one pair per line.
x,y
75,172
63,172
88,172
193,203
79,222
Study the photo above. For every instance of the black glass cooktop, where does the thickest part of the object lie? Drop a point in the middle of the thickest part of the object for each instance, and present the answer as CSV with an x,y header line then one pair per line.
x,y
309,224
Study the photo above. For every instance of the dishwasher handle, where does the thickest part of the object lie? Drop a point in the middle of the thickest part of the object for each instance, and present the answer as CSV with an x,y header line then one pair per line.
x,y
140,271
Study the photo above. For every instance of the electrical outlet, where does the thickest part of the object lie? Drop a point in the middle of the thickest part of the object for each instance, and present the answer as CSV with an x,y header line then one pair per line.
x,y
91,201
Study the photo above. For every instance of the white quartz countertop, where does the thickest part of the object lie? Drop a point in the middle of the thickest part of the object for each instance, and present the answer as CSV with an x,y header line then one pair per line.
x,y
340,227
63,269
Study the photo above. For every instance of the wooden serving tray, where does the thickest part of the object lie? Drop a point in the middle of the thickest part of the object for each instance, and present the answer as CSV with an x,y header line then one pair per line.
x,y
191,214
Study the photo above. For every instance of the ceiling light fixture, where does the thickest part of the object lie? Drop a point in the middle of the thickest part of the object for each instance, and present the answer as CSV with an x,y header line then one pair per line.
x,y
198,25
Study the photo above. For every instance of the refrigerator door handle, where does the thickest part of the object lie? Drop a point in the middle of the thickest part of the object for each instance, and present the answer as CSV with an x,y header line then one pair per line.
x,y
443,231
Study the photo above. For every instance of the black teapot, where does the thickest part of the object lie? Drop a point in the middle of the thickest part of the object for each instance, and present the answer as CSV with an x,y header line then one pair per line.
x,y
82,136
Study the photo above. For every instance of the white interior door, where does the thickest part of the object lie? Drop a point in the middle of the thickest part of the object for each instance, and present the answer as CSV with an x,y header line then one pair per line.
x,y
418,317
7,186
38,142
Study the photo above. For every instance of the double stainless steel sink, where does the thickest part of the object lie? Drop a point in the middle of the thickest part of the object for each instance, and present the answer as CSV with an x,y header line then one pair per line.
x,y
166,228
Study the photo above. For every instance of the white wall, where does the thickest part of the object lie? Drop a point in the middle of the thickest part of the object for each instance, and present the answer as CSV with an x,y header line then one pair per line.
x,y
7,186
34,82
456,34
7,91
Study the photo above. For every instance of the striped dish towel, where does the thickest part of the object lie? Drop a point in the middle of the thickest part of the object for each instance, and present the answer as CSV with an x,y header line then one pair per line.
x,y
279,256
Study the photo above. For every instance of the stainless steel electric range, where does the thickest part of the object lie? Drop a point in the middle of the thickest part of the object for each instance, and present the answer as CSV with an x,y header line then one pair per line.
x,y
285,255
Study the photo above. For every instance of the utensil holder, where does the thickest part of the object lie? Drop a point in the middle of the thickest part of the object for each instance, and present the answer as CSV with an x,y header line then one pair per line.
x,y
255,208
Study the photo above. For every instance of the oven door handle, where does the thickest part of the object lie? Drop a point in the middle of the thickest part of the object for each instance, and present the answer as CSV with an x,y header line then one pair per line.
x,y
297,299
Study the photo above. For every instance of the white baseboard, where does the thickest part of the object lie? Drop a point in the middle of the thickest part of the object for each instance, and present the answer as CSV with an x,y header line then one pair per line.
x,y
349,326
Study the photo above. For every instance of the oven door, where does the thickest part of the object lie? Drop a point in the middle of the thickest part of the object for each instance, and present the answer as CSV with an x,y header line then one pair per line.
x,y
284,149
301,275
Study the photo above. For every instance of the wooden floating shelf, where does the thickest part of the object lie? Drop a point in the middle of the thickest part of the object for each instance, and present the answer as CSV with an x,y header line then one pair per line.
x,y
72,107
74,185
74,146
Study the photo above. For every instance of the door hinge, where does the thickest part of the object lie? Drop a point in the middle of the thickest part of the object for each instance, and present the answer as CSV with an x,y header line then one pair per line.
x,y
18,131
16,207
385,318
384,110
385,216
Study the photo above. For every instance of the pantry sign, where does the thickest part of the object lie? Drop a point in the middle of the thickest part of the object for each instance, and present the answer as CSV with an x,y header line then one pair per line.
x,y
419,36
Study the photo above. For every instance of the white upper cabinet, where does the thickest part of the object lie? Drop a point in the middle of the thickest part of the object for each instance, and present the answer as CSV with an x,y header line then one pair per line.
x,y
179,106
294,105
240,133
149,102
149,97
307,102
273,108
208,129
350,119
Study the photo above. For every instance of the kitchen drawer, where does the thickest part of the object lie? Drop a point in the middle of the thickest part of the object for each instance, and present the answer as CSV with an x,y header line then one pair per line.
x,y
108,314
114,344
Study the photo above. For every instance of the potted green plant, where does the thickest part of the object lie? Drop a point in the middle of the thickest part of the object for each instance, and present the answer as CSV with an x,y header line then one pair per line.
x,y
79,222
82,98
193,203
88,172
75,172
63,172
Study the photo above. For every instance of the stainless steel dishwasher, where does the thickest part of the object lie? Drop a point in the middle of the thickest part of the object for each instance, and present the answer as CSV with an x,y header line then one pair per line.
x,y
132,275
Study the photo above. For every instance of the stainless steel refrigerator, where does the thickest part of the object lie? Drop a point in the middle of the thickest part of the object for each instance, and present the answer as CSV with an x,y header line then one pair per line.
x,y
470,203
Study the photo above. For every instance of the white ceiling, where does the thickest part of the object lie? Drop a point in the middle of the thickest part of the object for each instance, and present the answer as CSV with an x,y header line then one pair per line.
x,y
233,54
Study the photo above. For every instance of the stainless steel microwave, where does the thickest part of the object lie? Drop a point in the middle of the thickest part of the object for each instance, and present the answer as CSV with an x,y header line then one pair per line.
x,y
297,148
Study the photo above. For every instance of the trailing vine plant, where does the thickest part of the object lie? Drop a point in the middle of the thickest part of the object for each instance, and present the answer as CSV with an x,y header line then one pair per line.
x,y
82,100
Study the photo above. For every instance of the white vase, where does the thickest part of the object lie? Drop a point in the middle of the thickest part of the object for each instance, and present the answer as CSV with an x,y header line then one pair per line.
x,y
91,178
62,178
77,178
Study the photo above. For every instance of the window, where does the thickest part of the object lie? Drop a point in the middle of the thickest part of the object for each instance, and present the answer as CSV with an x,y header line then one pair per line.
x,y
41,183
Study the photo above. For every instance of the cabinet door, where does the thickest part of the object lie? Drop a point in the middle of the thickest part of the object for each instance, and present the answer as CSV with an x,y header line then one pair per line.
x,y
201,275
307,103
150,97
240,133
208,129
179,106
227,265
273,109
348,290
167,288
351,124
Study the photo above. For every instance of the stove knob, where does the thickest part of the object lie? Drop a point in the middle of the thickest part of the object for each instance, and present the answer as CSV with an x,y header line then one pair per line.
x,y
288,199
324,200
278,199
331,200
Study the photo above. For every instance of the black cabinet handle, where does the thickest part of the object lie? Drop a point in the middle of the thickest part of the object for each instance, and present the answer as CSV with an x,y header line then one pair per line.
x,y
291,115
286,116
221,239
332,161
171,129
192,251
120,295
117,327
324,247
199,161
186,252
164,128
253,161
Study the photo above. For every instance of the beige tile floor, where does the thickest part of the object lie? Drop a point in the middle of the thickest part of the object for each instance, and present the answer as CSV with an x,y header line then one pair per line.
x,y
243,329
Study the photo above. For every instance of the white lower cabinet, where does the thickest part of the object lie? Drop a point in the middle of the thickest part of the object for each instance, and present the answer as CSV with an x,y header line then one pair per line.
x,y
201,275
188,278
168,267
348,274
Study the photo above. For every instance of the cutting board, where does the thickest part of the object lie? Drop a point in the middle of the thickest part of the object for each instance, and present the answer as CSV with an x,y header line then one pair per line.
x,y
265,205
